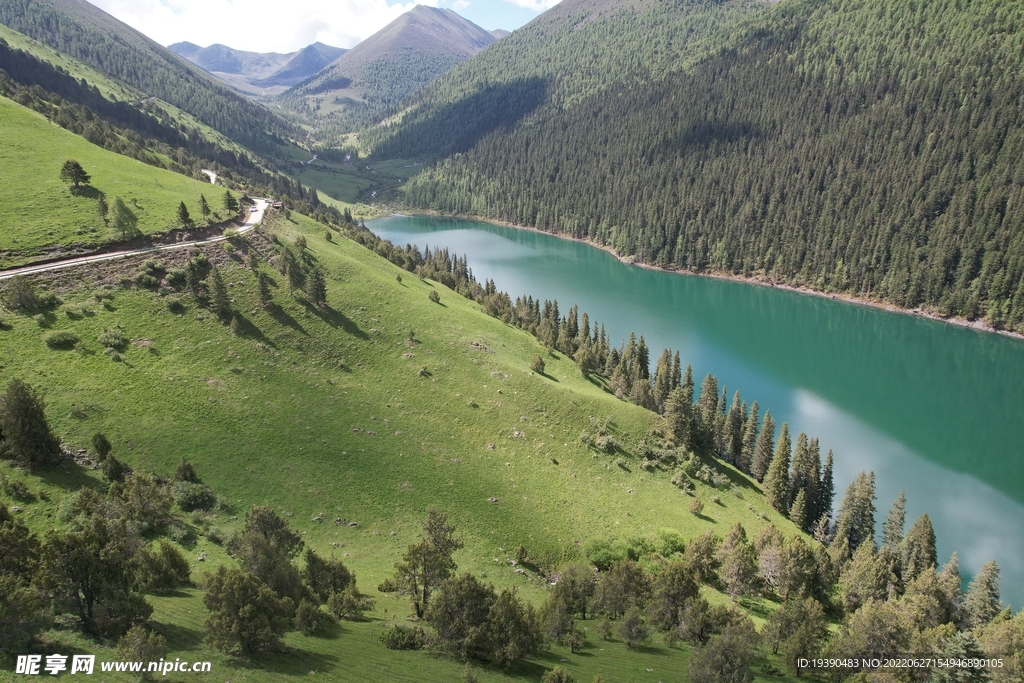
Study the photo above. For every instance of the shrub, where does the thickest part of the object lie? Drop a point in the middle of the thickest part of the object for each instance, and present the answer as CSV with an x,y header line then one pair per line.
x,y
113,338
400,637
310,619
163,569
585,438
174,305
681,480
146,280
191,496
620,462
557,675
230,232
434,296
114,469
142,645
15,488
537,365
697,506
176,277
349,604
21,295
606,443
62,341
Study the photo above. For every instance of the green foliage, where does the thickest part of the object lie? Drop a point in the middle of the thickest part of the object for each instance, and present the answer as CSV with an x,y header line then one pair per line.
x,y
163,569
537,365
905,182
140,644
113,338
220,304
184,219
349,603
63,341
72,172
428,562
91,571
326,577
310,619
265,549
245,615
981,603
632,629
557,675
189,496
725,659
622,587
28,439
21,295
400,637
434,296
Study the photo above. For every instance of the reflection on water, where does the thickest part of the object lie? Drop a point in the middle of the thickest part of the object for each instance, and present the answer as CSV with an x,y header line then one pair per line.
x,y
932,408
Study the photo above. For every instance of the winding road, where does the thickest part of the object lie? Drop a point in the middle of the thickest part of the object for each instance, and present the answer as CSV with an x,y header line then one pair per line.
x,y
251,222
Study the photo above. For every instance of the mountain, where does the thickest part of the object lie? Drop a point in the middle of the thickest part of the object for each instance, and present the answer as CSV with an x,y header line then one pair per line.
x,y
375,77
254,72
499,33
94,37
751,141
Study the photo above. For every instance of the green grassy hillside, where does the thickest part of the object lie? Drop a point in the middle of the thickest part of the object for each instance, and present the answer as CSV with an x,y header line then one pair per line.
x,y
41,212
329,414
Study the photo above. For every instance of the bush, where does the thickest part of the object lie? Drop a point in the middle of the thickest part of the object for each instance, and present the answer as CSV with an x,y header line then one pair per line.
x,y
557,675
62,341
697,506
681,480
142,645
15,488
113,338
400,637
191,496
434,296
114,470
349,604
146,280
537,365
174,305
21,295
163,569
176,278
606,443
310,619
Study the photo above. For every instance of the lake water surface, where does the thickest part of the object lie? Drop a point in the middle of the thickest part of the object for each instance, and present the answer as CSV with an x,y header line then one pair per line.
x,y
932,408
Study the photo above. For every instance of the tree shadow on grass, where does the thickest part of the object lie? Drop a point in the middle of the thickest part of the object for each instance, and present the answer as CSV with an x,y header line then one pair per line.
x,y
179,637
293,662
247,329
335,319
282,316
69,476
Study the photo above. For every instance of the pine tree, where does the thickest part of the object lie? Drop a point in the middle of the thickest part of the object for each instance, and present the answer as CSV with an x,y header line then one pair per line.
x,y
798,511
316,287
102,208
856,518
750,429
805,473
663,380
183,216
204,206
27,437
981,604
230,203
919,549
72,172
678,415
892,527
219,302
263,285
705,416
776,481
737,563
763,451
734,430
826,490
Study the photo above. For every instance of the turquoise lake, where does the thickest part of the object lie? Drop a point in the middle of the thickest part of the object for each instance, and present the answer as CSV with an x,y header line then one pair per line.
x,y
932,408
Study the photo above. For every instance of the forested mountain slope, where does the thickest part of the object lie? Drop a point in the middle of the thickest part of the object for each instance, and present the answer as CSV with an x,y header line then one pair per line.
x,y
96,38
864,147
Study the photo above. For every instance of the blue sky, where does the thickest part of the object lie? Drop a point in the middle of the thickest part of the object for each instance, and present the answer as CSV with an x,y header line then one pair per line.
x,y
289,25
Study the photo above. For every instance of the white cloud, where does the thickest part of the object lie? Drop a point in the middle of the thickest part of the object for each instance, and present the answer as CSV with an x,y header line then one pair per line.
x,y
535,5
460,5
259,25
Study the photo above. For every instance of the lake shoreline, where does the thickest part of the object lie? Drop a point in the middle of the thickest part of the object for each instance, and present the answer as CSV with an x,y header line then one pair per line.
x,y
977,325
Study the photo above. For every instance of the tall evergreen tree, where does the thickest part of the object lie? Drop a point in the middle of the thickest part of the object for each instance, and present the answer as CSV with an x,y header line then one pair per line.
x,y
734,430
706,414
663,380
919,549
204,207
184,219
750,430
981,604
25,434
856,519
219,301
893,526
799,512
776,481
763,452
826,489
